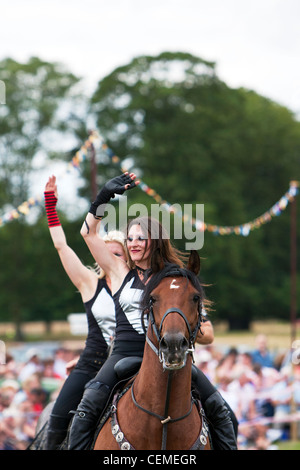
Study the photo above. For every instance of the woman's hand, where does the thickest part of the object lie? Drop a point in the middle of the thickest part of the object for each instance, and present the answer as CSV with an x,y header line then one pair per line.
x,y
122,183
51,185
117,185
207,336
71,365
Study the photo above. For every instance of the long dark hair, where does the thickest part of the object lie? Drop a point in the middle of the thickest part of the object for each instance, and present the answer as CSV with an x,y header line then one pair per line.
x,y
159,240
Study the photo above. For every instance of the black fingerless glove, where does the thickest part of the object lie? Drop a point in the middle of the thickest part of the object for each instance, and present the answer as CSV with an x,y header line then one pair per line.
x,y
112,187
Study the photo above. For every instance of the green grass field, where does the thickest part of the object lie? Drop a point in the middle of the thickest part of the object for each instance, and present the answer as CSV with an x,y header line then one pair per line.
x,y
289,445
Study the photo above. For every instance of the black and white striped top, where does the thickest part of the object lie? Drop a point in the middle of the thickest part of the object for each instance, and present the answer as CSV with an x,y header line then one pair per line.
x,y
128,311
100,310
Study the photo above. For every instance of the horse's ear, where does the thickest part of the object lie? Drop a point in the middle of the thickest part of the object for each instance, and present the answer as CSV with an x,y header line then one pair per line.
x,y
194,262
157,262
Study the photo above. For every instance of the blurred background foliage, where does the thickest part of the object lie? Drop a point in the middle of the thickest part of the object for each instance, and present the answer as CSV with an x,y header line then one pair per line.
x,y
189,136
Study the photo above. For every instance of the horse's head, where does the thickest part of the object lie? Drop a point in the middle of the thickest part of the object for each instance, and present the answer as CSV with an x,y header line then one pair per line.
x,y
173,300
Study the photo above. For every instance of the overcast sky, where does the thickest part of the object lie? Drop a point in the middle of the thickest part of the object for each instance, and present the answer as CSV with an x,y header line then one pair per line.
x,y
255,43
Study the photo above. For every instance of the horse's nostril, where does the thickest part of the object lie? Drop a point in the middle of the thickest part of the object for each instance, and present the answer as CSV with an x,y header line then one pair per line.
x,y
173,350
184,343
173,343
164,344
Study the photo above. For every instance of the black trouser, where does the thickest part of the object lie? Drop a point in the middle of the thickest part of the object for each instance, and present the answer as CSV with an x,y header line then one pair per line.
x,y
121,349
96,394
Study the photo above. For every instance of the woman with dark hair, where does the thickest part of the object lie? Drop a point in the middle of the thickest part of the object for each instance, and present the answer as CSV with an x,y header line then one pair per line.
x,y
144,236
156,238
127,286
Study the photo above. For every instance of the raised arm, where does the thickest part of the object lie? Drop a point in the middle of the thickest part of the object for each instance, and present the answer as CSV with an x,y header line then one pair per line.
x,y
82,277
115,267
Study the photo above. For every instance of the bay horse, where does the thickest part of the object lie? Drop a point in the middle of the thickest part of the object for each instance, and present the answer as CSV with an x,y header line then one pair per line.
x,y
156,411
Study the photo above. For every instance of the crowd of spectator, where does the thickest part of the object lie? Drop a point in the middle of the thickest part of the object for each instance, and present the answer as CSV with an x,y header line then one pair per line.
x,y
25,390
262,390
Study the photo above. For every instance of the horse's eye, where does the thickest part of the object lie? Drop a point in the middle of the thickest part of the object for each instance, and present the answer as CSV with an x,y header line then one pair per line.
x,y
152,300
196,298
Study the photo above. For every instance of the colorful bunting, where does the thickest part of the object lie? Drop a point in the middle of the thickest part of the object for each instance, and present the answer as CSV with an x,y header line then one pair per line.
x,y
275,211
243,229
25,207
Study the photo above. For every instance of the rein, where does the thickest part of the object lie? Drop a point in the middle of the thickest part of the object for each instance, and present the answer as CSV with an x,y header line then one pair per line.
x,y
166,419
124,444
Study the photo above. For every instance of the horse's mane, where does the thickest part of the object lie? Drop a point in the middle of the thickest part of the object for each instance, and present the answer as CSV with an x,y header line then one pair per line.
x,y
170,270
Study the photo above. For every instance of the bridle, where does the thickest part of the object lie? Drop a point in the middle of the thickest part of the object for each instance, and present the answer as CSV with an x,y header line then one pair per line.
x,y
157,332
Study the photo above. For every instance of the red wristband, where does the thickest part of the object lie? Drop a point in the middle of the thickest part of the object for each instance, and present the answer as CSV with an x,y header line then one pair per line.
x,y
50,206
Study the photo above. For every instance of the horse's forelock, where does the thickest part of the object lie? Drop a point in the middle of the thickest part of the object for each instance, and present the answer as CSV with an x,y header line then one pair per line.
x,y
170,270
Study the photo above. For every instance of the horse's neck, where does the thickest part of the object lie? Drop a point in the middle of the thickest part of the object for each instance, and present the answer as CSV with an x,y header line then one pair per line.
x,y
151,385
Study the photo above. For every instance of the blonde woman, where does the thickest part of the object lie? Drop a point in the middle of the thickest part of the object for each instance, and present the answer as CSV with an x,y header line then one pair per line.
x,y
95,290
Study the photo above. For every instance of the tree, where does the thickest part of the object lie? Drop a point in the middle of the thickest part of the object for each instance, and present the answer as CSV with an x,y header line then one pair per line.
x,y
194,139
38,288
39,115
190,137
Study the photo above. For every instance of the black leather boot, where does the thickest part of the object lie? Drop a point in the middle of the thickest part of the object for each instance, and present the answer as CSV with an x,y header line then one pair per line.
x,y
56,432
84,422
221,427
54,439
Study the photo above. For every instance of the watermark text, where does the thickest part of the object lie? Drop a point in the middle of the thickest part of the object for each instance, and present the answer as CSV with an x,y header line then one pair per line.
x,y
179,220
